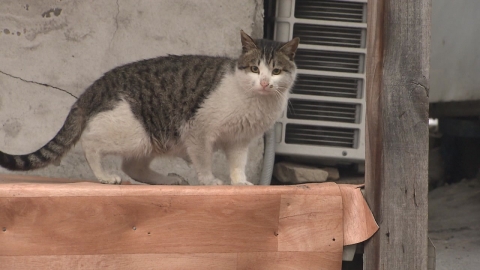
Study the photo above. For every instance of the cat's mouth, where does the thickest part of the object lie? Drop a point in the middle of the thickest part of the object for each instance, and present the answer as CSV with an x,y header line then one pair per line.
x,y
266,91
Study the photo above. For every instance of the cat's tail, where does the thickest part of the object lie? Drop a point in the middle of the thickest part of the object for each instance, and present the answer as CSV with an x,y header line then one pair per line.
x,y
53,151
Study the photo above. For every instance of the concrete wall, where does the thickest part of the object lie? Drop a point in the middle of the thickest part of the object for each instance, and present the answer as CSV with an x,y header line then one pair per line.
x,y
455,54
50,51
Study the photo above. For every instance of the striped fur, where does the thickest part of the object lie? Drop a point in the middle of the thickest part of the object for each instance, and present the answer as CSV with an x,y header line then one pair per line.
x,y
185,105
53,151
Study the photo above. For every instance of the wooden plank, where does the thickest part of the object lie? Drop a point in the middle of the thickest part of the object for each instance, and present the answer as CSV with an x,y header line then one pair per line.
x,y
133,225
358,224
208,261
290,261
307,212
15,187
373,124
397,132
90,226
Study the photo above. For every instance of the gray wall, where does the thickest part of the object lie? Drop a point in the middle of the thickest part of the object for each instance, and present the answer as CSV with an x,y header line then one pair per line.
x,y
50,51
455,51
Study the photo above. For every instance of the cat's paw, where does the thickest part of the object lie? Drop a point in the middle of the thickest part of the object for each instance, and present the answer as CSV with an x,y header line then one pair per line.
x,y
216,182
211,182
111,179
238,178
241,183
177,180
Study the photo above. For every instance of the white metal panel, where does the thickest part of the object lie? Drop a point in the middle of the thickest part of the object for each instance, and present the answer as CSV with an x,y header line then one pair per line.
x,y
329,94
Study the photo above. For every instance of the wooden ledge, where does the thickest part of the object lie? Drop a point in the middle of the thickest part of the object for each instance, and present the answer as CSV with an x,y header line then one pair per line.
x,y
178,227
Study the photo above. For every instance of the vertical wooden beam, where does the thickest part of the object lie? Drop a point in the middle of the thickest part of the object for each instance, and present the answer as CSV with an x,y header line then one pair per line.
x,y
397,132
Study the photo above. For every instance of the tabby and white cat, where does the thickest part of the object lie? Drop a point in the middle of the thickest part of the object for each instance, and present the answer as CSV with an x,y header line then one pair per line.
x,y
186,106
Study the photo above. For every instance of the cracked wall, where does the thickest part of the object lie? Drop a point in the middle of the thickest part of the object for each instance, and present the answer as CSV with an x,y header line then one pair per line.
x,y
51,50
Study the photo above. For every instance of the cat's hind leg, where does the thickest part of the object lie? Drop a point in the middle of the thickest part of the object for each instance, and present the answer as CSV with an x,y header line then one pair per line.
x,y
139,170
94,160
115,132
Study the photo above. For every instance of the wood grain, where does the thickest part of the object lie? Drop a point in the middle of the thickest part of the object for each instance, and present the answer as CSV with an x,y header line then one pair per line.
x,y
290,261
396,180
89,225
358,225
14,186
207,261
306,211
177,261
121,225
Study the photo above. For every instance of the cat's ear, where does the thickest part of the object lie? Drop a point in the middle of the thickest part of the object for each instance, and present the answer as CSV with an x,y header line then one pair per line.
x,y
247,42
290,48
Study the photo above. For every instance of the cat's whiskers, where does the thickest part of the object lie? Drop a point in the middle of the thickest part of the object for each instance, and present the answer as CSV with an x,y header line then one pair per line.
x,y
289,105
282,96
278,95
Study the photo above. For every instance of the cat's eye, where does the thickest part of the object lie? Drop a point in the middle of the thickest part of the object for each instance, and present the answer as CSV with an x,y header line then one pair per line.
x,y
276,71
254,69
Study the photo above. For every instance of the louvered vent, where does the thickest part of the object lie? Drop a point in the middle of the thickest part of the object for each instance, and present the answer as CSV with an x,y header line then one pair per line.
x,y
328,61
325,114
328,35
321,136
316,85
321,110
329,10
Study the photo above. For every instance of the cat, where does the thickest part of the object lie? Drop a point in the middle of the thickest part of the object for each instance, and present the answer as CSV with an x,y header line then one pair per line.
x,y
185,106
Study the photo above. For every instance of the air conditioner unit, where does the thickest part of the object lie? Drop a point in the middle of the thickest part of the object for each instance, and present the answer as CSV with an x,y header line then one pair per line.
x,y
325,118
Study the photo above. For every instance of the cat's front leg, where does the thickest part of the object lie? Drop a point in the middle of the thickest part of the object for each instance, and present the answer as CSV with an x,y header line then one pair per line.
x,y
200,153
237,155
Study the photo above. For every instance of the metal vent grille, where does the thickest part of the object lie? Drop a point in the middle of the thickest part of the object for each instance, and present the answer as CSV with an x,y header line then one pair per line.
x,y
328,61
323,111
321,136
328,35
329,10
327,86
325,115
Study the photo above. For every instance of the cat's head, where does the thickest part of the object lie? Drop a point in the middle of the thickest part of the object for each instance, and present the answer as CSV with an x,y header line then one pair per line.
x,y
266,67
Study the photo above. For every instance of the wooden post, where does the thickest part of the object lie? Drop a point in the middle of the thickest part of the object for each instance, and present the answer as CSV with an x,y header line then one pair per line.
x,y
397,132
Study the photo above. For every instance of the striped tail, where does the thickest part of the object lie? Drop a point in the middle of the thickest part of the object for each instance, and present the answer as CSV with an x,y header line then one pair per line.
x,y
53,151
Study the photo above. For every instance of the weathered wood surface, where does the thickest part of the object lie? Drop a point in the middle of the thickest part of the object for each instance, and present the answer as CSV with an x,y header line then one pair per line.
x,y
88,225
178,261
397,132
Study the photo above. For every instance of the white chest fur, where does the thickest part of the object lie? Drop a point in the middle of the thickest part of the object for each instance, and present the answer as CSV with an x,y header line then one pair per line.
x,y
232,114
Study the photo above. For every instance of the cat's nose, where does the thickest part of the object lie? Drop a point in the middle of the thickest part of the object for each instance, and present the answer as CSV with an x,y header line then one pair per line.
x,y
264,84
